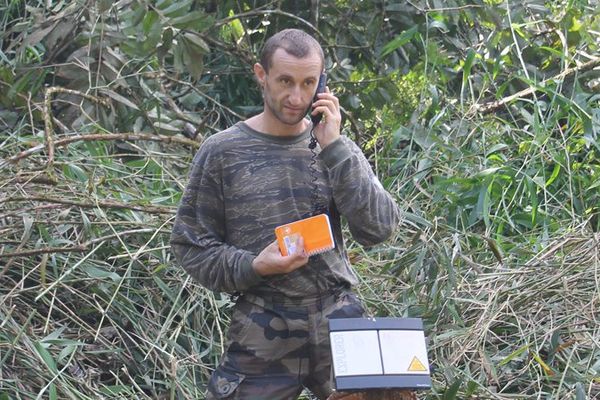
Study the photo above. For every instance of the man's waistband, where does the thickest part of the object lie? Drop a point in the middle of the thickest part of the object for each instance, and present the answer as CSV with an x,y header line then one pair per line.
x,y
275,300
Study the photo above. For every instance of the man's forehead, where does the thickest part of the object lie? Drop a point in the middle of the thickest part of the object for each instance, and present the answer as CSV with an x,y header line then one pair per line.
x,y
300,76
292,65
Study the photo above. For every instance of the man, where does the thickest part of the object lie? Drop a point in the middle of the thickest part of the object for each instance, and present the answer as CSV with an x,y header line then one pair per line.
x,y
260,174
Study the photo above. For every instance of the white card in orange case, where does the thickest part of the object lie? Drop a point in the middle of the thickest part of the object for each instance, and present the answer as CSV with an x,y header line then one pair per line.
x,y
316,232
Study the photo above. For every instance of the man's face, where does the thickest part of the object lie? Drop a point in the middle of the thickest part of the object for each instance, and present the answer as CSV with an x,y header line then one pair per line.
x,y
290,85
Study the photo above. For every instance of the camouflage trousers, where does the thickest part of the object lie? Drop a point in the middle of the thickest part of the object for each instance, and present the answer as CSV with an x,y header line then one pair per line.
x,y
277,347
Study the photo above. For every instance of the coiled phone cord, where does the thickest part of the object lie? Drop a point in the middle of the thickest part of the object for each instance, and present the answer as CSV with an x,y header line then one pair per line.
x,y
314,192
314,197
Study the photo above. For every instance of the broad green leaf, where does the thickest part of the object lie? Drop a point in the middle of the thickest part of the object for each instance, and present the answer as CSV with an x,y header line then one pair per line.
x,y
495,148
437,24
68,350
167,127
52,336
594,185
555,173
166,291
468,64
195,20
196,42
513,355
75,172
547,370
234,27
45,356
533,198
399,41
151,22
52,392
117,97
423,168
575,25
99,273
418,220
480,209
485,211
451,392
166,43
177,9
178,57
37,36
192,58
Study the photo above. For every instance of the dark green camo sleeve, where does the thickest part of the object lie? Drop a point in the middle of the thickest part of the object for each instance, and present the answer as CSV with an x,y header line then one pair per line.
x,y
199,234
371,212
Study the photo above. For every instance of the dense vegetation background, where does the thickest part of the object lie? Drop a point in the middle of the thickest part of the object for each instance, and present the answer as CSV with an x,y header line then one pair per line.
x,y
481,117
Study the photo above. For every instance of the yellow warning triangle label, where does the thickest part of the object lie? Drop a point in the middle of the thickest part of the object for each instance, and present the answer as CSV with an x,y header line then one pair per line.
x,y
416,365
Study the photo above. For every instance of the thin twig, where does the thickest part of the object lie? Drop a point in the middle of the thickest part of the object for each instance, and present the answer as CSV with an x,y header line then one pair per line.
x,y
443,9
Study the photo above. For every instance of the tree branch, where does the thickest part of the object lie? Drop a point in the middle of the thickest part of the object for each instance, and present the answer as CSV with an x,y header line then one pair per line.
x,y
494,105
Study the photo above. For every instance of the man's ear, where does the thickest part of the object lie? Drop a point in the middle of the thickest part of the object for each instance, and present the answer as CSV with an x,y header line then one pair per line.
x,y
260,74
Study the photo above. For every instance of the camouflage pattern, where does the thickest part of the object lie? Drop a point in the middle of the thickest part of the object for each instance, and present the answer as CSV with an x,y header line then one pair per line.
x,y
244,183
276,348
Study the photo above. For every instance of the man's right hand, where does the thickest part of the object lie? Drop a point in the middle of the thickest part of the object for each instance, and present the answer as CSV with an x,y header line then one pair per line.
x,y
271,262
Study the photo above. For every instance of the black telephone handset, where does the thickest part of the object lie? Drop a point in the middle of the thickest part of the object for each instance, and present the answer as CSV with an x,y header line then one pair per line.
x,y
320,89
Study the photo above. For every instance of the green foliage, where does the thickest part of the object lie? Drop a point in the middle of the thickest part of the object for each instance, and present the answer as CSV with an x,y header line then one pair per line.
x,y
482,118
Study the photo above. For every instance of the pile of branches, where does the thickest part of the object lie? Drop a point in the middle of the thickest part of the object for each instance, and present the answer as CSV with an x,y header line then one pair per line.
x,y
531,329
92,304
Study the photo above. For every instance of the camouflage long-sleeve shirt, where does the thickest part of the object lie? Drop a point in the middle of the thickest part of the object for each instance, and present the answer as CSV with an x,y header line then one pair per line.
x,y
244,183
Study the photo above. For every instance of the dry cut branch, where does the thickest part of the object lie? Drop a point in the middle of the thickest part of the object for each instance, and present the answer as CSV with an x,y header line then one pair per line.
x,y
47,112
70,249
95,204
101,137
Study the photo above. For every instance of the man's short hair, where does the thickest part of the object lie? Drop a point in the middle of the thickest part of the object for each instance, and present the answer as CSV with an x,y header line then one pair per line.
x,y
295,42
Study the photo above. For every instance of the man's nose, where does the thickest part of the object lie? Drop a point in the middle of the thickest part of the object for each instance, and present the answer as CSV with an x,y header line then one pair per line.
x,y
296,95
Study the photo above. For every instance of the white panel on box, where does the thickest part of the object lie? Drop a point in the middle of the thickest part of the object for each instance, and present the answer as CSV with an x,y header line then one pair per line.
x,y
403,352
356,353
